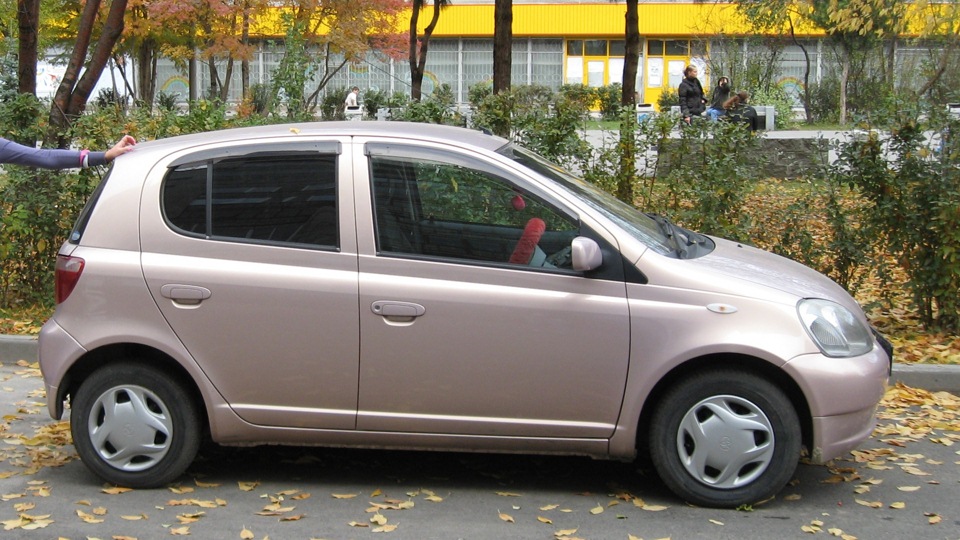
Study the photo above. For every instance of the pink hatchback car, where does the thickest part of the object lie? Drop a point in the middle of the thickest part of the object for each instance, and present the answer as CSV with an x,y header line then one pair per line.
x,y
397,285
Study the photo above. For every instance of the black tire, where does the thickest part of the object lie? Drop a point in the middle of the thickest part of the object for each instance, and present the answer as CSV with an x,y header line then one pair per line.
x,y
725,438
135,426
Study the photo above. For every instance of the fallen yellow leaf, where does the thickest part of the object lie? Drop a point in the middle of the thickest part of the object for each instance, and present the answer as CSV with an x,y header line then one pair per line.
x,y
343,495
542,519
246,534
506,517
385,529
88,518
596,510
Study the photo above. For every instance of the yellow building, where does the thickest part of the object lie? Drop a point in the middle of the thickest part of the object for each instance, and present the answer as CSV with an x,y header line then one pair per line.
x,y
560,42
592,35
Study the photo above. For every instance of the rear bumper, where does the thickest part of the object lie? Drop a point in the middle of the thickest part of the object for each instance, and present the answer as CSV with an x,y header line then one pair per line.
x,y
56,351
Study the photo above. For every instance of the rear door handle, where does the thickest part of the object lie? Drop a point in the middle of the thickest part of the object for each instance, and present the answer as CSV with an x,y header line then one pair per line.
x,y
185,294
402,310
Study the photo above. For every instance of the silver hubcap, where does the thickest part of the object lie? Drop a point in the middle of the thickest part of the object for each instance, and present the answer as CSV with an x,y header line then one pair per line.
x,y
725,441
130,428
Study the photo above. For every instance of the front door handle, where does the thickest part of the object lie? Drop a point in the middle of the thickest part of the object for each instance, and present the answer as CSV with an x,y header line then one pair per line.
x,y
185,294
401,310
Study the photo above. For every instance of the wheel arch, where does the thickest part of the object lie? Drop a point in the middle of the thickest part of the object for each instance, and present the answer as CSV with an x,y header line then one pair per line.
x,y
746,363
131,353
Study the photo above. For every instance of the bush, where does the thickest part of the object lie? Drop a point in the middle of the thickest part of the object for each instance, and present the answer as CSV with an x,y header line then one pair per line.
x,y
609,98
668,98
909,182
781,102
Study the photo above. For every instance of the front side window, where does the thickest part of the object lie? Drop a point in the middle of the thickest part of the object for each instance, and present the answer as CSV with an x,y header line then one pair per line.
x,y
454,210
275,198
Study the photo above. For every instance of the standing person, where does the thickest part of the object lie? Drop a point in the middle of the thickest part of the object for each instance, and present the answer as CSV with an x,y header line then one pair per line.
x,y
18,154
351,104
690,92
720,94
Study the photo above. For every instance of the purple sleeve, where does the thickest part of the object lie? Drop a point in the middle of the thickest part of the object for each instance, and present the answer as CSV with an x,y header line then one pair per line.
x,y
18,154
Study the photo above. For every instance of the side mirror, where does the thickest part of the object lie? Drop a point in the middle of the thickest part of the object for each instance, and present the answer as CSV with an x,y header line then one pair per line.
x,y
586,254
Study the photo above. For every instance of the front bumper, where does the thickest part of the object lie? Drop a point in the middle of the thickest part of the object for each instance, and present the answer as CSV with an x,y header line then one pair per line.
x,y
842,394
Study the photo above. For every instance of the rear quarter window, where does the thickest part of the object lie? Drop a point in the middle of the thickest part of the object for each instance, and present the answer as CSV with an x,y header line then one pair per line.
x,y
81,224
274,199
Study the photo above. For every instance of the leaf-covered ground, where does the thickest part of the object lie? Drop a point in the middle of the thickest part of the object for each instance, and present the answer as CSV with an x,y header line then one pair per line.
x,y
902,478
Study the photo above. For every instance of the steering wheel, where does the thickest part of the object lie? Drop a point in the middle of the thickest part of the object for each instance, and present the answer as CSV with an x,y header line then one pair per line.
x,y
527,245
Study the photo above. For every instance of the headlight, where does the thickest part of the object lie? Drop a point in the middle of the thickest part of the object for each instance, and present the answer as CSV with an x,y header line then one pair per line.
x,y
834,329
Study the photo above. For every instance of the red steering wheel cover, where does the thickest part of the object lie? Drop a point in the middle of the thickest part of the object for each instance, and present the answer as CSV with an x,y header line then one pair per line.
x,y
527,244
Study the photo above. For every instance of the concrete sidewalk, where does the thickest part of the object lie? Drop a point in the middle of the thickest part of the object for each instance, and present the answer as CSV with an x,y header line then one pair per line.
x,y
927,376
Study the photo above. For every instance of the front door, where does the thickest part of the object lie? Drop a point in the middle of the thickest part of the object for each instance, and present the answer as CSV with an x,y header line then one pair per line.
x,y
472,320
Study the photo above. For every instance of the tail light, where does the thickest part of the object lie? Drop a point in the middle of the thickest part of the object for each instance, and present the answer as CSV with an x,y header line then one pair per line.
x,y
66,277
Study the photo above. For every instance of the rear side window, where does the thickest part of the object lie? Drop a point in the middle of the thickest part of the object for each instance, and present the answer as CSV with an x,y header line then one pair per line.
x,y
273,198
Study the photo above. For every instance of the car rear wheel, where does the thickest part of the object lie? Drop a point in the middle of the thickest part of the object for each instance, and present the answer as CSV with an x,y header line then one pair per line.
x,y
134,426
725,439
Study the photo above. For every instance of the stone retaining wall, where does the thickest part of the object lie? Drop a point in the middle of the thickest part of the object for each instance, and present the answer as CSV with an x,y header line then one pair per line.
x,y
778,157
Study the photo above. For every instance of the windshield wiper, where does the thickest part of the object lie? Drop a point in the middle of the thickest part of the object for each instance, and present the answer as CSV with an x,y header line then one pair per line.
x,y
681,238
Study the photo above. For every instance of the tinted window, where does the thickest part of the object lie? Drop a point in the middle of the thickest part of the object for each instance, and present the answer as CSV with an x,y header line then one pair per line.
x,y
271,198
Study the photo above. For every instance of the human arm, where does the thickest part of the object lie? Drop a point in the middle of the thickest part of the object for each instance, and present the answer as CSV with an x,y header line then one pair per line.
x,y
18,154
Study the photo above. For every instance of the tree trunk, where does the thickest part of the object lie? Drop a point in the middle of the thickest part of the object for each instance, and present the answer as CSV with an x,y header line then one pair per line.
x,y
59,109
245,40
628,120
110,34
146,73
844,78
227,77
631,60
28,20
416,79
418,56
502,45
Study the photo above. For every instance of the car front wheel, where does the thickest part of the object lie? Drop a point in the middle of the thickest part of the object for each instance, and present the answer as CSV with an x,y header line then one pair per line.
x,y
725,439
134,426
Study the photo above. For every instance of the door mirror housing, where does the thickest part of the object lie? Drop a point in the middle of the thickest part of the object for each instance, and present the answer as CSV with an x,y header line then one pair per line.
x,y
586,254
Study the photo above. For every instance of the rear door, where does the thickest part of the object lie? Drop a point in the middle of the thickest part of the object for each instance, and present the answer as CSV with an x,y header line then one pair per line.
x,y
253,263
458,339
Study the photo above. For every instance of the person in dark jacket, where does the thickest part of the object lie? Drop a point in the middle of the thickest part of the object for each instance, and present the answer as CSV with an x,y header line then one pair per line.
x,y
18,154
690,92
720,94
737,110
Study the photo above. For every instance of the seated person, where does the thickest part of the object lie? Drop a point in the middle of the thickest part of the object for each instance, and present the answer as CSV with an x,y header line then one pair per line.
x,y
720,95
737,110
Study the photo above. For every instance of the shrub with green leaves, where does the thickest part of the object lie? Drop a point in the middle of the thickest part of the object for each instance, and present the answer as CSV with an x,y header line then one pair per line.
x,y
909,181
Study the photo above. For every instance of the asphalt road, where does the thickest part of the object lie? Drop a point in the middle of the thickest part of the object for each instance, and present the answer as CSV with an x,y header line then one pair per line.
x,y
904,483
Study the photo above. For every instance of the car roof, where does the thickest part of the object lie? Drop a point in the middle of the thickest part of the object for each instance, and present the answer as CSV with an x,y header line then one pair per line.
x,y
434,132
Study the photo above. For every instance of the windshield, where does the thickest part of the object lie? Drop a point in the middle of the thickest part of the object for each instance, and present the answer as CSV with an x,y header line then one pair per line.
x,y
649,229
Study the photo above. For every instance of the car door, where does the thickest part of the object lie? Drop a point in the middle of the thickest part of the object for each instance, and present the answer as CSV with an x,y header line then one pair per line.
x,y
252,261
467,326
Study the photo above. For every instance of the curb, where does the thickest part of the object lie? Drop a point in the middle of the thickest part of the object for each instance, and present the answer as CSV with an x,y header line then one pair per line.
x,y
931,377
